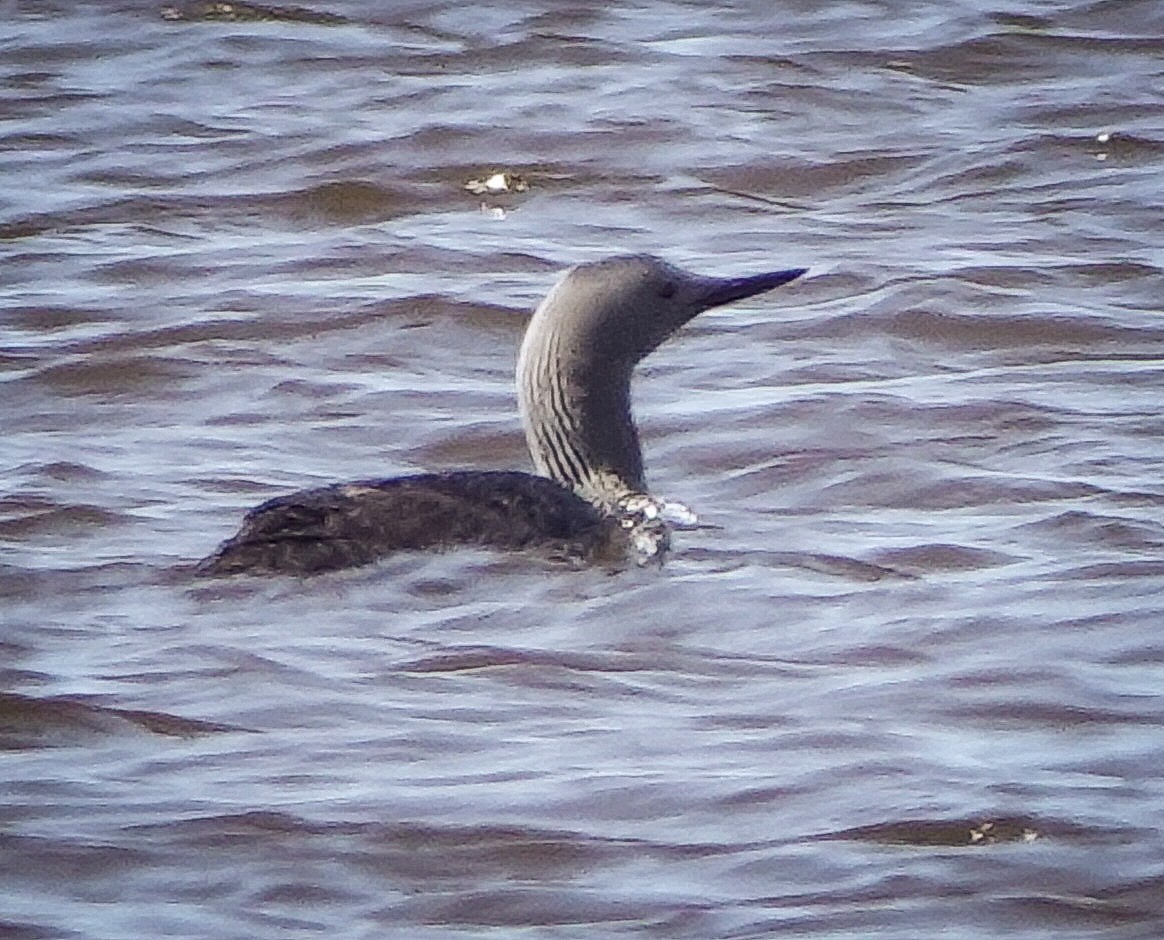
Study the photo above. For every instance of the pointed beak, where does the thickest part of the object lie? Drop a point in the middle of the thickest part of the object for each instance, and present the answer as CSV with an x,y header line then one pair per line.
x,y
726,289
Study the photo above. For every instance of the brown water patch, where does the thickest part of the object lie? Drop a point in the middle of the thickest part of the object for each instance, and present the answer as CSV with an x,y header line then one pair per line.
x,y
62,721
944,832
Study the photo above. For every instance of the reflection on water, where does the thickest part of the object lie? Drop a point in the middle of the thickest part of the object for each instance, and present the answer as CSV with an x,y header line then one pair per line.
x,y
904,680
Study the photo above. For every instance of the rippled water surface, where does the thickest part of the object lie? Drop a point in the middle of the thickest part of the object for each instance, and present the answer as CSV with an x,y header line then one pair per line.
x,y
907,681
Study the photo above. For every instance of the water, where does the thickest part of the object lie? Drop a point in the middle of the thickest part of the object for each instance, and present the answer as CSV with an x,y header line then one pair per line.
x,y
906,682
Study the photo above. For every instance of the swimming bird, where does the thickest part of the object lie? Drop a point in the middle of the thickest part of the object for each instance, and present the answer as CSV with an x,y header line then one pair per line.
x,y
588,498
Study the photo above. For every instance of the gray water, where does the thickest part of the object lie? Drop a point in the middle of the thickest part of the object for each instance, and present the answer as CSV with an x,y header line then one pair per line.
x,y
908,680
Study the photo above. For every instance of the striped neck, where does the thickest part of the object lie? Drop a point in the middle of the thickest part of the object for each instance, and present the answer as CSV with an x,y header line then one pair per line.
x,y
575,407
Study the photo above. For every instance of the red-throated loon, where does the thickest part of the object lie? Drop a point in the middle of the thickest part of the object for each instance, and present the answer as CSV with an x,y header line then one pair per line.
x,y
589,497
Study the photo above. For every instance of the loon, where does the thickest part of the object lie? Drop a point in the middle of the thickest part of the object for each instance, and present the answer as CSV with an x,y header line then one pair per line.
x,y
588,498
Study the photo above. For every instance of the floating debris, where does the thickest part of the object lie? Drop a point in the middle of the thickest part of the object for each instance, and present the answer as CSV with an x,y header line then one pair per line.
x,y
1004,831
248,13
496,184
1103,137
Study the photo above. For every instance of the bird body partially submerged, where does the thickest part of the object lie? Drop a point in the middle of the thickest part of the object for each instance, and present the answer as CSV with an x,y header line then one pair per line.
x,y
350,524
589,498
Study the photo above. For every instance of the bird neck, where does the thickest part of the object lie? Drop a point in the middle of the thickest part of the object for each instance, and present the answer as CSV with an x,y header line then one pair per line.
x,y
575,408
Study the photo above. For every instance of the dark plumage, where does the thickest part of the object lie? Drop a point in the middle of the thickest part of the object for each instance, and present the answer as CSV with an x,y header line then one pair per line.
x,y
349,524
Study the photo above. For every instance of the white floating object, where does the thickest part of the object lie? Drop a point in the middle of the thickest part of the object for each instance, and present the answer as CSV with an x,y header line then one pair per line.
x,y
496,184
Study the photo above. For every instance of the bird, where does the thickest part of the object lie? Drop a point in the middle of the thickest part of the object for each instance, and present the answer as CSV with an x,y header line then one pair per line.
x,y
588,497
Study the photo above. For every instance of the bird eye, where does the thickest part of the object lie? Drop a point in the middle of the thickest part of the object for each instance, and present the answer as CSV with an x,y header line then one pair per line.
x,y
667,290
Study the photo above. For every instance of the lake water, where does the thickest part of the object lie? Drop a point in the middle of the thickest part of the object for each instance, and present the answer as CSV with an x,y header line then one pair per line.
x,y
908,680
